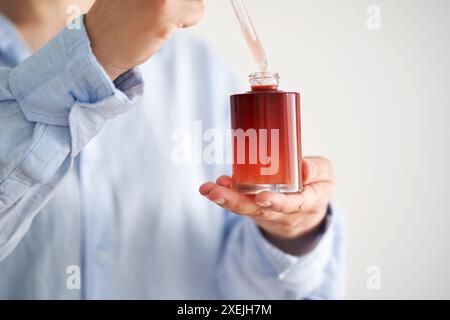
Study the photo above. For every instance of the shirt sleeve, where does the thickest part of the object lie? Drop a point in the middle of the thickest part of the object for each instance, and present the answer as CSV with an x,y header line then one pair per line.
x,y
51,106
253,268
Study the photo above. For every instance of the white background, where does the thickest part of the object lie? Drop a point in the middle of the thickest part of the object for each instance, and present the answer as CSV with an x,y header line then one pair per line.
x,y
376,102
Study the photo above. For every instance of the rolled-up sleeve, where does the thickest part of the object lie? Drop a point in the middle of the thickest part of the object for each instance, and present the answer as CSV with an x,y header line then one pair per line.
x,y
253,268
63,84
51,105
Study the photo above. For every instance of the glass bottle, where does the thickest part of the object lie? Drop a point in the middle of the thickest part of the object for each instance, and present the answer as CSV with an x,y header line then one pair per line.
x,y
267,151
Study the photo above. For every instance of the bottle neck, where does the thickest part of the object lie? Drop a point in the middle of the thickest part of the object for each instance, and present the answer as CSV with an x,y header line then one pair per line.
x,y
264,81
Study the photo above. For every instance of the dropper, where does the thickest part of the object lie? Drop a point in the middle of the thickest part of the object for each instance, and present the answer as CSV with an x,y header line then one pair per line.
x,y
250,34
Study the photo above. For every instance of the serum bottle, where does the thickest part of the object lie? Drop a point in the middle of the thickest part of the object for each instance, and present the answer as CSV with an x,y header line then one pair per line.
x,y
267,151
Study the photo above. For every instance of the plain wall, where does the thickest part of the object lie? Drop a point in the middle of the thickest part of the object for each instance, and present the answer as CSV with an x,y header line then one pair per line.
x,y
376,102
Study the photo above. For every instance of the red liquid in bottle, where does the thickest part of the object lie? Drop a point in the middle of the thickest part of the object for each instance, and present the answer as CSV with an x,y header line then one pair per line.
x,y
273,117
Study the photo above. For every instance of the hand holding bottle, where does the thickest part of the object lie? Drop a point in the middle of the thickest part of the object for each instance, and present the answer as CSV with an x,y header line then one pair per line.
x,y
124,34
285,219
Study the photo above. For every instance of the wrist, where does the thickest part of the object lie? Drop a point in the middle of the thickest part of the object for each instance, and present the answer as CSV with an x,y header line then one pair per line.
x,y
103,57
303,243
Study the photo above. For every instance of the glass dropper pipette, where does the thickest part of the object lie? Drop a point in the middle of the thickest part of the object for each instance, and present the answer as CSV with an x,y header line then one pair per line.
x,y
250,34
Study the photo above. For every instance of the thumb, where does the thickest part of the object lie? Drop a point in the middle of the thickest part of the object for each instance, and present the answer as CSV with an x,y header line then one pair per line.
x,y
316,169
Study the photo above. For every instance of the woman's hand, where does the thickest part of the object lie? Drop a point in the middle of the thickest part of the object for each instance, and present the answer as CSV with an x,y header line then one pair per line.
x,y
284,218
125,34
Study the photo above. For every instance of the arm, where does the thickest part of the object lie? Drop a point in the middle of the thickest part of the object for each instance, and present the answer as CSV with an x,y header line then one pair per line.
x,y
289,245
251,267
53,103
51,106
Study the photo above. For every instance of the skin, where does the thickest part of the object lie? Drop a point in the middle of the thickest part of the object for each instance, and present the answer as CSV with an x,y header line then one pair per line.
x,y
109,24
39,21
285,219
125,34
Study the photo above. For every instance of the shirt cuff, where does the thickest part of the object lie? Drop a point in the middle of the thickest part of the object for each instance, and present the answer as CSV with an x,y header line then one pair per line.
x,y
304,272
63,85
64,72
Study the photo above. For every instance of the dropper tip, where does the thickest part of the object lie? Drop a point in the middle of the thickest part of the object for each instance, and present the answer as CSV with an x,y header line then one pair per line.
x,y
250,35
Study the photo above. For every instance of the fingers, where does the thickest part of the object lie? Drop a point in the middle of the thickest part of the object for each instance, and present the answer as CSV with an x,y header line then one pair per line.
x,y
318,180
206,188
225,181
229,199
312,196
316,169
280,202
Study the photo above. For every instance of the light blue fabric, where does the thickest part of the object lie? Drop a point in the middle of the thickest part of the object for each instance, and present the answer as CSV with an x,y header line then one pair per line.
x,y
86,179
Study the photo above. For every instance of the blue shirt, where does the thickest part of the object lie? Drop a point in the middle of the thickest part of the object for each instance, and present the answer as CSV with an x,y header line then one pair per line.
x,y
87,179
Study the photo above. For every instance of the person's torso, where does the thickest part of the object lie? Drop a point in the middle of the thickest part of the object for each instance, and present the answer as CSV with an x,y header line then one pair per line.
x,y
126,214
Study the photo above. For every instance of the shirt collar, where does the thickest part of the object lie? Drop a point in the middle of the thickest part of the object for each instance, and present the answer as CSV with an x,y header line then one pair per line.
x,y
13,48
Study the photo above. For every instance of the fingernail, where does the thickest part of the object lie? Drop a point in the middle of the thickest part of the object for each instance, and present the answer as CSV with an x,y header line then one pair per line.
x,y
264,203
220,201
